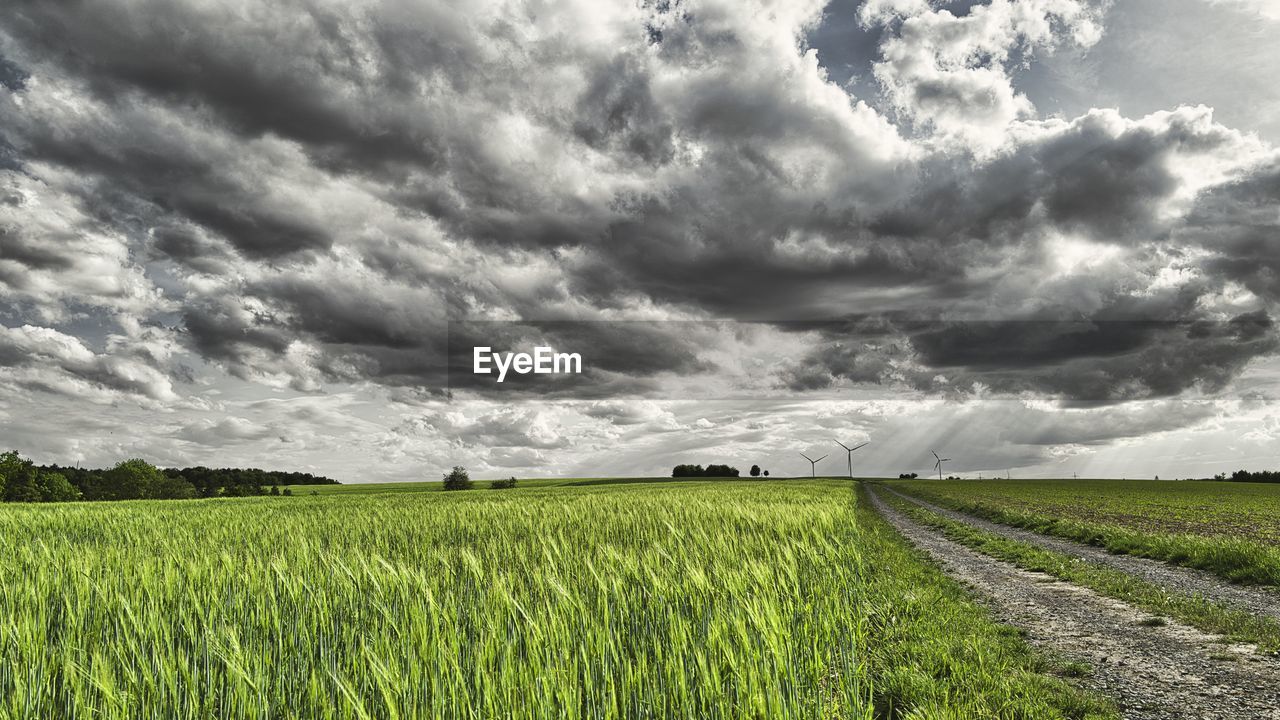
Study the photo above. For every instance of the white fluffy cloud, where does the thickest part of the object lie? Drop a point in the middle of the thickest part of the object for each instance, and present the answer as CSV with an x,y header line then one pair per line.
x,y
949,74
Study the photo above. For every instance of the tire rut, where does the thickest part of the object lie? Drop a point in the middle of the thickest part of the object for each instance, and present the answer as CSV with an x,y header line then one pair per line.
x,y
1152,673
1188,581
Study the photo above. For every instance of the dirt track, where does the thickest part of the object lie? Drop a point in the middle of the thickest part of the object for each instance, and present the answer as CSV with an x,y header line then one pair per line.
x,y
1168,671
1256,600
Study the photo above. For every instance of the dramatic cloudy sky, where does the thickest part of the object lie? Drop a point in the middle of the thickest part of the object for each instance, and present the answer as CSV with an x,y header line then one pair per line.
x,y
1039,236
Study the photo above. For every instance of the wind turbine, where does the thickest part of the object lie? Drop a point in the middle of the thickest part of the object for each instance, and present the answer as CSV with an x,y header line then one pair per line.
x,y
813,464
938,464
849,451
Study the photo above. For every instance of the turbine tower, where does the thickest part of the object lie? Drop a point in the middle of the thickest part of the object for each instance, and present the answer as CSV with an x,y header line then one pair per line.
x,y
849,451
938,464
813,464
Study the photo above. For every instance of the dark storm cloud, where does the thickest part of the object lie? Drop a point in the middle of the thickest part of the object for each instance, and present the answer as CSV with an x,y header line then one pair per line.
x,y
1097,362
1092,177
1083,362
350,177
1238,224
32,253
863,350
280,69
619,114
12,77
188,245
156,169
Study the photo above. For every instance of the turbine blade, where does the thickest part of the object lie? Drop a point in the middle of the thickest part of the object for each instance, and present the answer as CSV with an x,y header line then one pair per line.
x,y
846,447
855,447
935,454
824,457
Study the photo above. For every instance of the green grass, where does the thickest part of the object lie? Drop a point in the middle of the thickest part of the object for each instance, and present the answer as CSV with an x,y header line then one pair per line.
x,y
1230,529
1193,610
642,600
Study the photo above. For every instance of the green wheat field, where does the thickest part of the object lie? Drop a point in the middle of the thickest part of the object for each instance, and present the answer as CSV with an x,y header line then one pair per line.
x,y
752,599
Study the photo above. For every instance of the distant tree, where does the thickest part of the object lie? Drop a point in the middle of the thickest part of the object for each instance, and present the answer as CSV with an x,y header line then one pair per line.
x,y
243,490
287,491
503,484
687,471
766,473
129,480
18,478
172,488
54,487
720,471
275,490
8,461
457,479
755,471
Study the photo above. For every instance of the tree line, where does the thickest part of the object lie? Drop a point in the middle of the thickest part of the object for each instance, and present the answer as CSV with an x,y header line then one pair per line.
x,y
21,480
1261,476
708,471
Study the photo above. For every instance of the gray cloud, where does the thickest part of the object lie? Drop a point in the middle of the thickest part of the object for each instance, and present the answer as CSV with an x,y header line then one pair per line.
x,y
46,359
309,192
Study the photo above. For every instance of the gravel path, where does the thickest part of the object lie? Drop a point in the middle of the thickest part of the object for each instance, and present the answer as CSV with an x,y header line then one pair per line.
x,y
1152,673
1256,600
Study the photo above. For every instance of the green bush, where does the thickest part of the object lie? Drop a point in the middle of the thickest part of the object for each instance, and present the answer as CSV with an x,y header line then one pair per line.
x,y
457,479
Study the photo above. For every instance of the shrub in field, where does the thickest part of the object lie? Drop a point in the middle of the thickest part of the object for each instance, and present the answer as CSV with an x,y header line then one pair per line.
x,y
502,484
457,479
755,471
